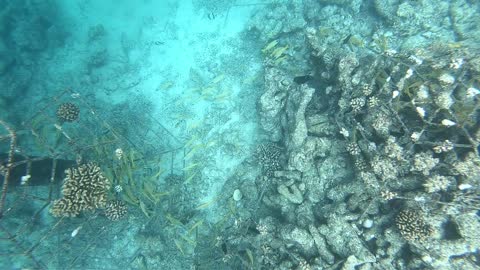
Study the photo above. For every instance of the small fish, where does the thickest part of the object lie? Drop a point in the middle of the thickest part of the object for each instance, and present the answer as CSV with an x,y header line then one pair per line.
x,y
270,46
191,152
160,171
211,16
181,116
158,43
191,166
302,79
218,79
250,256
188,240
197,224
346,39
195,89
208,91
251,79
223,96
280,59
224,248
210,143
455,45
144,209
279,51
173,220
208,203
179,246
179,123
194,125
166,85
192,140
191,177
75,232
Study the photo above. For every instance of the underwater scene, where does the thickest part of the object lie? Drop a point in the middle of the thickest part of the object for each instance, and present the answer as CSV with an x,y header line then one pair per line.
x,y
239,134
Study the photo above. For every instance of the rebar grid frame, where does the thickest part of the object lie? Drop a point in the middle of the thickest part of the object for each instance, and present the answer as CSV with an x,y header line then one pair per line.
x,y
29,236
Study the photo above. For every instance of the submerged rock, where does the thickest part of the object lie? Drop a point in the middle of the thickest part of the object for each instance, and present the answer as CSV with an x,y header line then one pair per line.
x,y
272,102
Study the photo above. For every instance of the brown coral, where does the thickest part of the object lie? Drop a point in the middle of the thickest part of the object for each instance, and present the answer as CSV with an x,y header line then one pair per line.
x,y
269,155
412,225
68,112
115,210
84,188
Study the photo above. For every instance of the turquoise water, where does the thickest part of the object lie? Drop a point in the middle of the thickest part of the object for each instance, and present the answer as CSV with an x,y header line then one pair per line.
x,y
239,134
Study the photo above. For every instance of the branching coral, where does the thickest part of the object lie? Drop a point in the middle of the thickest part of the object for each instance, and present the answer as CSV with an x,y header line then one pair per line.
x,y
84,188
412,226
115,210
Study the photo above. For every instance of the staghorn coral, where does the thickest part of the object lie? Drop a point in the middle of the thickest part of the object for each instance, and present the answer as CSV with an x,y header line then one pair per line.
x,y
84,188
381,123
424,162
438,183
469,167
384,168
357,104
444,100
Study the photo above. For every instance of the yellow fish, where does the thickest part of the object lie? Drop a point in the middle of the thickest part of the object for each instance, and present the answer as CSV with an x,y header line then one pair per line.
x,y
280,60
210,143
222,97
191,177
208,90
173,220
252,78
218,79
191,166
197,224
270,46
208,203
192,140
191,153
455,45
194,125
279,51
179,246
166,85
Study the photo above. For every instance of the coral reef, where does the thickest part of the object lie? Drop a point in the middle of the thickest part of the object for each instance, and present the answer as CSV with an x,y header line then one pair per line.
x,y
334,134
380,143
279,20
272,102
